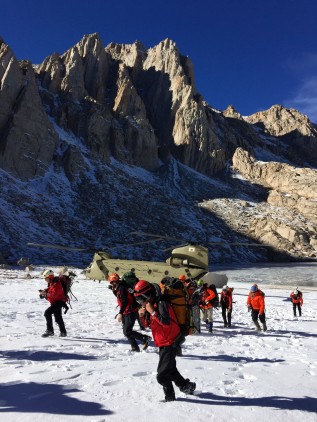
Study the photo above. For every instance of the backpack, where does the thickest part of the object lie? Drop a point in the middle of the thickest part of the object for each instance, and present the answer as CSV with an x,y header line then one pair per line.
x,y
215,301
130,280
67,282
176,294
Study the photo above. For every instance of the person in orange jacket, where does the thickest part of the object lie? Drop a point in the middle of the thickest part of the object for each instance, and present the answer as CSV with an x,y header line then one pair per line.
x,y
297,301
206,309
256,304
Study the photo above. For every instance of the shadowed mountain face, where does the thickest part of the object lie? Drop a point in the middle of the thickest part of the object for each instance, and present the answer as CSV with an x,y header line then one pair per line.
x,y
99,142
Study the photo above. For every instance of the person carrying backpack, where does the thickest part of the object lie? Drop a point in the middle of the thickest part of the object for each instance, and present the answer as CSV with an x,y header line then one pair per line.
x,y
209,295
54,293
256,304
130,280
128,312
226,305
157,313
297,301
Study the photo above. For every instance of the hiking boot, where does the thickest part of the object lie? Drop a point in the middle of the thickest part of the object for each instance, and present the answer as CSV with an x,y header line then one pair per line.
x,y
146,341
257,326
264,326
135,349
48,333
170,398
189,387
63,334
169,393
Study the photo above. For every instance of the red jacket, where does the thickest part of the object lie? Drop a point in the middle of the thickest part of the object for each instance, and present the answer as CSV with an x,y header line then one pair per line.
x,y
55,292
163,324
297,298
226,299
125,299
256,300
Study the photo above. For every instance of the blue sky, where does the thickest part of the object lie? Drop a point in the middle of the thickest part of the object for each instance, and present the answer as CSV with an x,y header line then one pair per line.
x,y
248,53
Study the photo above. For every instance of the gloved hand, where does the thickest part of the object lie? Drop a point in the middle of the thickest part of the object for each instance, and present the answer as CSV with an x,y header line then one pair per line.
x,y
249,308
119,317
42,294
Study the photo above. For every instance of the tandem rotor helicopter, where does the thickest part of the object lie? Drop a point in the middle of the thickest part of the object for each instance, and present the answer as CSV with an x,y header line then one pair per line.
x,y
190,259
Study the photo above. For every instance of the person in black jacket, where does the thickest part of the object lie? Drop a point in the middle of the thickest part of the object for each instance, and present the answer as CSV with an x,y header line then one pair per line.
x,y
128,312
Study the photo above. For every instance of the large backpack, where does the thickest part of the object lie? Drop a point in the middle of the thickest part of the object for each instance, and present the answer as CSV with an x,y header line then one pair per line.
x,y
67,280
176,294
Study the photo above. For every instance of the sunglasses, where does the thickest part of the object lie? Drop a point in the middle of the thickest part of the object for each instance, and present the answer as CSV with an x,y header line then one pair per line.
x,y
141,299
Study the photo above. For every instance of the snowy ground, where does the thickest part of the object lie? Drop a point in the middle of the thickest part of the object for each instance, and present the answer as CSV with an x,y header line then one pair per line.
x,y
91,375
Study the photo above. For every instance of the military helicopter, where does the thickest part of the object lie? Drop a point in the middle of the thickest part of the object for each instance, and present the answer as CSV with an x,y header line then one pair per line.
x,y
190,259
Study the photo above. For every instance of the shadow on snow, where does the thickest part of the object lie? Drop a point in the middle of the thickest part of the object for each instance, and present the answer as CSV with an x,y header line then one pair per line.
x,y
46,398
236,359
43,355
308,404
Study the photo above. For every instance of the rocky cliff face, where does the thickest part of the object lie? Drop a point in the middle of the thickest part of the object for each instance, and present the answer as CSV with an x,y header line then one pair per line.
x,y
67,123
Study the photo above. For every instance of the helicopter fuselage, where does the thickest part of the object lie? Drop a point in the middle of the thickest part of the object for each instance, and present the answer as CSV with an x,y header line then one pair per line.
x,y
190,260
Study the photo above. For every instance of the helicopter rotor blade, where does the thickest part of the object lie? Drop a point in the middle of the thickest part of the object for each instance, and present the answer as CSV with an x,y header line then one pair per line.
x,y
67,248
149,234
239,244
138,243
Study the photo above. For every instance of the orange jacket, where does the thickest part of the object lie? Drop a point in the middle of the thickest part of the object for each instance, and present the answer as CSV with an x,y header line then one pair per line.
x,y
256,300
208,295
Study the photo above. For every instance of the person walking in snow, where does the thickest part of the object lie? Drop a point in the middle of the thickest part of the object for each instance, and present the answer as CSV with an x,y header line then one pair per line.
x,y
226,305
297,301
128,312
54,293
157,313
206,307
256,304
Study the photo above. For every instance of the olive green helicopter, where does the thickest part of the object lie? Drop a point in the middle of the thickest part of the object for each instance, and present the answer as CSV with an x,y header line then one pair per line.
x,y
190,260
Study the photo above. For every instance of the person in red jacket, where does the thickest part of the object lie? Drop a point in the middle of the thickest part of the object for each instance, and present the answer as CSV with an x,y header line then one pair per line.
x,y
297,301
206,308
226,305
256,304
55,295
158,314
128,312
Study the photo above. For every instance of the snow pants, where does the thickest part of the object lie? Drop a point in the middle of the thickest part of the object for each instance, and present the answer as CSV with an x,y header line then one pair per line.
x,y
167,371
297,305
226,315
56,310
128,321
255,316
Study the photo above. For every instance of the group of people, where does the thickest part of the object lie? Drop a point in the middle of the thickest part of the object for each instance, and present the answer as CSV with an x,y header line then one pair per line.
x,y
142,301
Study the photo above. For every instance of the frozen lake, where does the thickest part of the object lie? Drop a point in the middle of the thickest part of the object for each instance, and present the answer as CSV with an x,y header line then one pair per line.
x,y
284,274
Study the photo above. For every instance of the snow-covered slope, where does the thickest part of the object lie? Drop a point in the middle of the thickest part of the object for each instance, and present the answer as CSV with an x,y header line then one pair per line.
x,y
91,375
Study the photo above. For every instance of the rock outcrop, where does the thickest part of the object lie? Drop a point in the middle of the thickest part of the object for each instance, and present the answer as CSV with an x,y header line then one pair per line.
x,y
76,123
291,224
